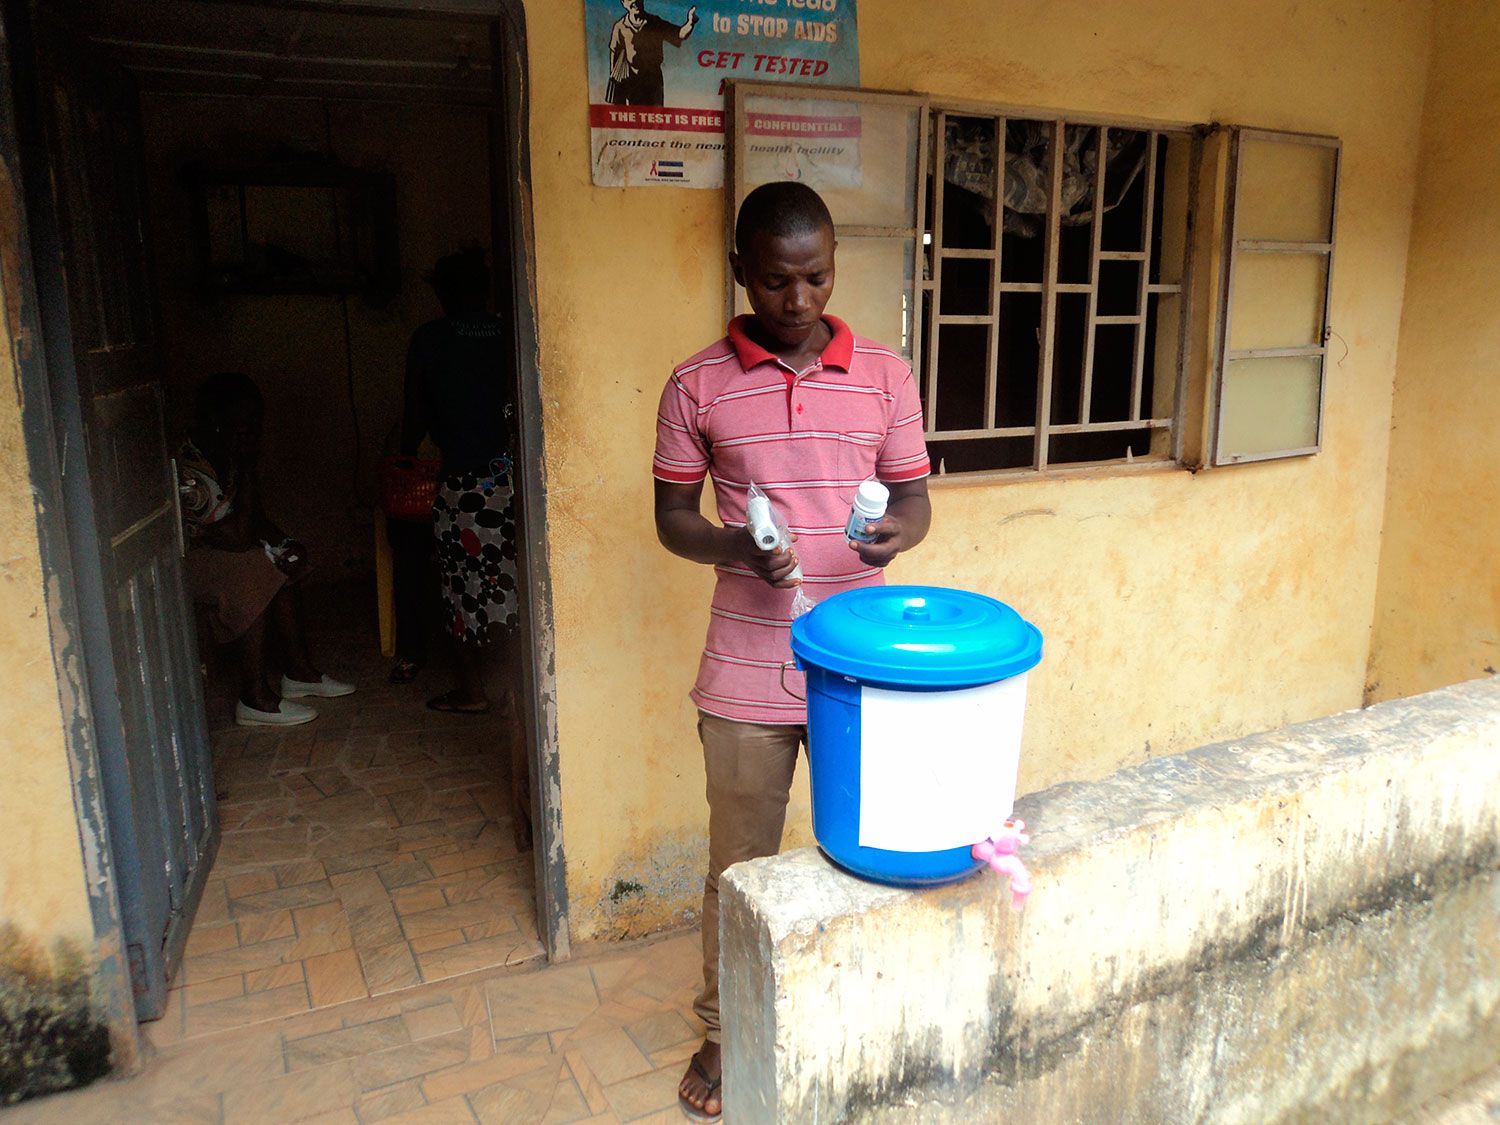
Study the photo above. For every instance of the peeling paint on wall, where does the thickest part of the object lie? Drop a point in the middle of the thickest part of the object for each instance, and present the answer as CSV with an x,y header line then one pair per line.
x,y
655,889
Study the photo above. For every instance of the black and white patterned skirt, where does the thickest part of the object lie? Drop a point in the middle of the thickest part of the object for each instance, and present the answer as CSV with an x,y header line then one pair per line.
x,y
474,521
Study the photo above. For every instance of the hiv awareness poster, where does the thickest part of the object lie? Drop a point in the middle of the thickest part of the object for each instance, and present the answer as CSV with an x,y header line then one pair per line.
x,y
657,70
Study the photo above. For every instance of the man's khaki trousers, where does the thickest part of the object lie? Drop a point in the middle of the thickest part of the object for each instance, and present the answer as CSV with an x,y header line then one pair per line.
x,y
749,768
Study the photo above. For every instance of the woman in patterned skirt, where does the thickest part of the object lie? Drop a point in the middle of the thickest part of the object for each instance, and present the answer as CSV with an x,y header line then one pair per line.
x,y
459,391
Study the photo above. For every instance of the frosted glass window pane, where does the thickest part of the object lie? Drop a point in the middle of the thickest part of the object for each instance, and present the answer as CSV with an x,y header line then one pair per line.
x,y
1269,406
872,280
1285,191
1164,326
1278,300
871,283
861,157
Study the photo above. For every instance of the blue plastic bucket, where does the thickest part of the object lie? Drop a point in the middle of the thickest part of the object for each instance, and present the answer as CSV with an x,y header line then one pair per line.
x,y
914,702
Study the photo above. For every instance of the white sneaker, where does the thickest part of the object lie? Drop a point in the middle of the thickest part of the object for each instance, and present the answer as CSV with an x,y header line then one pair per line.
x,y
325,688
287,714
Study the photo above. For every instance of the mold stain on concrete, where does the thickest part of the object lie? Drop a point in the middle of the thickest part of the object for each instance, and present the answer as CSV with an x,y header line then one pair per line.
x,y
625,888
657,888
1017,1053
50,1036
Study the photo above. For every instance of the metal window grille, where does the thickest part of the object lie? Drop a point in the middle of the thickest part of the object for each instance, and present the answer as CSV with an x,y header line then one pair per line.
x,y
1072,360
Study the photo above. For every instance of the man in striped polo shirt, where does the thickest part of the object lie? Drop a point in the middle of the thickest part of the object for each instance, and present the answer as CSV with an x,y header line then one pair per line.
x,y
793,401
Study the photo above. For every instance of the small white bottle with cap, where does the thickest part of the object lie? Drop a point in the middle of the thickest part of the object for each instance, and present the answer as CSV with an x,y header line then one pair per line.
x,y
869,505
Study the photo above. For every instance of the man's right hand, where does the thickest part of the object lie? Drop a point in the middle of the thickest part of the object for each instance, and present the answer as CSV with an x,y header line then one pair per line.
x,y
683,530
775,567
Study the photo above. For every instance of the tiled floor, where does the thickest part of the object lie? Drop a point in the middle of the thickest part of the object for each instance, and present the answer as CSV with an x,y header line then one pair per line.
x,y
363,853
366,949
599,1039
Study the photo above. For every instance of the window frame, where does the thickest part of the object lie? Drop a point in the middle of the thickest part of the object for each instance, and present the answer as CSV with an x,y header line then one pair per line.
x,y
1233,246
738,92
933,112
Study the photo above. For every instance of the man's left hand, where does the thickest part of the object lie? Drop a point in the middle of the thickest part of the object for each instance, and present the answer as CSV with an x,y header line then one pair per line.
x,y
890,541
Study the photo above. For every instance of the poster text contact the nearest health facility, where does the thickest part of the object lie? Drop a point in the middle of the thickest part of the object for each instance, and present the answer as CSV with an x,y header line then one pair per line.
x,y
657,70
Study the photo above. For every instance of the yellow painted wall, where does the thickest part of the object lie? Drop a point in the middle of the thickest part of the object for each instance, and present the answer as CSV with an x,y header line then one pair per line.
x,y
1178,608
43,892
1438,614
293,346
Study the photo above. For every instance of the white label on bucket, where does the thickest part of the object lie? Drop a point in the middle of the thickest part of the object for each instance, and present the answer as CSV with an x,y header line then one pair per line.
x,y
938,768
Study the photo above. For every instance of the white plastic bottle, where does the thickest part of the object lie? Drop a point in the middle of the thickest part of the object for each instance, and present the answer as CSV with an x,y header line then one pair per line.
x,y
768,533
869,505
761,524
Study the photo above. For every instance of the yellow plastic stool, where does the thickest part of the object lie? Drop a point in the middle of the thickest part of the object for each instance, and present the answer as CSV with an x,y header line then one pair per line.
x,y
385,587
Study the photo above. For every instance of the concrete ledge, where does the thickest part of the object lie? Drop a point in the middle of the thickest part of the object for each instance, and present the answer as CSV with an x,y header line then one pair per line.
x,y
1302,924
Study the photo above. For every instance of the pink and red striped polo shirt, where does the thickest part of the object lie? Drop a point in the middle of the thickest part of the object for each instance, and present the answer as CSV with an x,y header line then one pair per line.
x,y
808,439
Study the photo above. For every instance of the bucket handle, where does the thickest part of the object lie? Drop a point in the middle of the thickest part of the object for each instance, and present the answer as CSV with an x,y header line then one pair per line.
x,y
785,665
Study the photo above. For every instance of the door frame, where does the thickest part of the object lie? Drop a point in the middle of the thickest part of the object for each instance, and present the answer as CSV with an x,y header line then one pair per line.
x,y
511,199
70,629
64,570
512,138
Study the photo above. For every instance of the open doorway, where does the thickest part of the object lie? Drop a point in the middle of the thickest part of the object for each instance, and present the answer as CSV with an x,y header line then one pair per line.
x,y
301,170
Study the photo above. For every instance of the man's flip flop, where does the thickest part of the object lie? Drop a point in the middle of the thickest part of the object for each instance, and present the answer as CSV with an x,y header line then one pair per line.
x,y
713,1084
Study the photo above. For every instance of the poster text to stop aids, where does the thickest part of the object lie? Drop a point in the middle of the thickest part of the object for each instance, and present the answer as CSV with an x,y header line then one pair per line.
x,y
657,70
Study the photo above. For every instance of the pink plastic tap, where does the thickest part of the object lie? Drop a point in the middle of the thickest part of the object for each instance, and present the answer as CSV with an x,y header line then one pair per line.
x,y
1000,853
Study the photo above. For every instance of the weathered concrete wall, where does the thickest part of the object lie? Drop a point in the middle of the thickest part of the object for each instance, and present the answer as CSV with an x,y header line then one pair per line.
x,y
1179,608
1437,618
1300,925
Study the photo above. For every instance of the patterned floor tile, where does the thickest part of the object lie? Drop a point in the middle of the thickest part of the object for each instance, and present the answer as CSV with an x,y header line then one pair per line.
x,y
337,832
228,1015
346,1043
659,1031
427,1053
382,1104
389,968
268,926
508,951
611,1057
335,978
413,1060
436,1019
292,1097
554,1000
440,940
648,1093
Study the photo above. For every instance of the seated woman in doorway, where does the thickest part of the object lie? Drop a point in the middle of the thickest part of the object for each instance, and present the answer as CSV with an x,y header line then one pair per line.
x,y
242,567
460,392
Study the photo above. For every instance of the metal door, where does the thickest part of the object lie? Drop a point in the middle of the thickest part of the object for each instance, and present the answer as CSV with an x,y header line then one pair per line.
x,y
79,130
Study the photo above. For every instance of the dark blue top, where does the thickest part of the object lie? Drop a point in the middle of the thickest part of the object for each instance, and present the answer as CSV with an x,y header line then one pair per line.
x,y
457,372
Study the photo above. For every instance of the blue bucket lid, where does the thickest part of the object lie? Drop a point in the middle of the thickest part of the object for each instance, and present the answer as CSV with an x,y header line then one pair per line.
x,y
922,636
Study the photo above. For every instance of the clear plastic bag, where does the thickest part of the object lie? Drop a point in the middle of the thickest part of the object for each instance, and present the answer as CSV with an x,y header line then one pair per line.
x,y
769,529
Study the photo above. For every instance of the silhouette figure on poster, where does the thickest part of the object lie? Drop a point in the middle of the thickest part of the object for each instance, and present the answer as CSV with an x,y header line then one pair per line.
x,y
635,54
